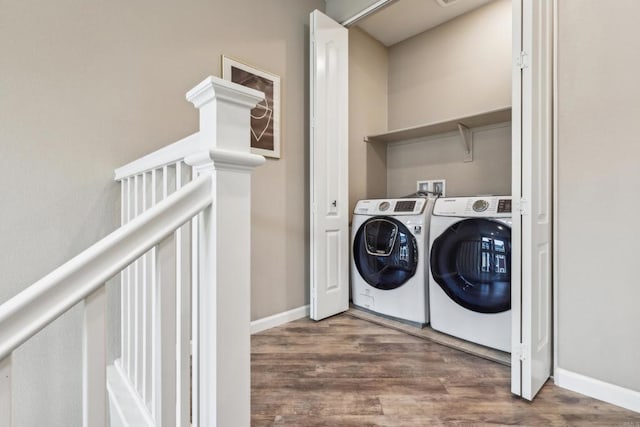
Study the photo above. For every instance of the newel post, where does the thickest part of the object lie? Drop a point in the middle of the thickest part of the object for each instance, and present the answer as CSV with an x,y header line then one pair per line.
x,y
221,294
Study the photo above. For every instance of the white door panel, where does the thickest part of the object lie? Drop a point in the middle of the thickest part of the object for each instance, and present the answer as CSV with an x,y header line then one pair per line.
x,y
329,282
532,163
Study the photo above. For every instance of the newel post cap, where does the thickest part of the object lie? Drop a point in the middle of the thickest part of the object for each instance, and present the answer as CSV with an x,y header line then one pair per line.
x,y
214,87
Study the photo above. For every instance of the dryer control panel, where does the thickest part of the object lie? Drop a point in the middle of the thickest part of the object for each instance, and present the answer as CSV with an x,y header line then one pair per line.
x,y
472,207
391,206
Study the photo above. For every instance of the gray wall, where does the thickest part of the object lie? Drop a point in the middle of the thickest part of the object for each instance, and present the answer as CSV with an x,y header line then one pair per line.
x,y
460,68
441,157
89,86
367,116
598,180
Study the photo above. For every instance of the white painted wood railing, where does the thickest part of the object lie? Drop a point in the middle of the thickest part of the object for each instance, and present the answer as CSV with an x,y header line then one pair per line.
x,y
183,254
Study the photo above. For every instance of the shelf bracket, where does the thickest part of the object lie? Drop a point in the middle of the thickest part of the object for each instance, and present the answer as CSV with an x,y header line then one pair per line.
x,y
467,141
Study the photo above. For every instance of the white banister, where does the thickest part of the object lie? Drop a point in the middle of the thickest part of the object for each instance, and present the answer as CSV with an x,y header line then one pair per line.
x,y
94,360
182,252
32,309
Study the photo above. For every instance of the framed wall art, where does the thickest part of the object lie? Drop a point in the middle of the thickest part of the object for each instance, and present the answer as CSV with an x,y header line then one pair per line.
x,y
265,117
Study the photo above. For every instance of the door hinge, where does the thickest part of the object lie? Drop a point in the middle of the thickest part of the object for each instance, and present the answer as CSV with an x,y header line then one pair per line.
x,y
520,351
521,60
524,207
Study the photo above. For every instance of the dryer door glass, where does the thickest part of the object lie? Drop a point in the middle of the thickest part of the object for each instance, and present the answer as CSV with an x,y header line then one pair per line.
x,y
385,253
471,261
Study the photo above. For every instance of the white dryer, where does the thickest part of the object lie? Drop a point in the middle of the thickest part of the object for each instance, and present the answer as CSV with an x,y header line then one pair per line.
x,y
389,263
470,269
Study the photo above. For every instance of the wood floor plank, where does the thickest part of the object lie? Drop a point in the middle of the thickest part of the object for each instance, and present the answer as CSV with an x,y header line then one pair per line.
x,y
346,371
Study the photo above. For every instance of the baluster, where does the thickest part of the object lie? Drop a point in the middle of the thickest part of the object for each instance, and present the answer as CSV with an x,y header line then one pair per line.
x,y
132,293
155,182
5,391
137,298
124,194
183,308
165,341
159,184
130,289
151,306
195,319
94,360
165,182
162,191
146,312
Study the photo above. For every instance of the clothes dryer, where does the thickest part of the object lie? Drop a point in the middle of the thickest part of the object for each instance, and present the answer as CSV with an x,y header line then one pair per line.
x,y
389,263
470,269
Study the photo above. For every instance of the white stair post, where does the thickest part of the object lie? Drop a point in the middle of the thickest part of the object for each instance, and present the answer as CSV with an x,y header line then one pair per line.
x,y
221,293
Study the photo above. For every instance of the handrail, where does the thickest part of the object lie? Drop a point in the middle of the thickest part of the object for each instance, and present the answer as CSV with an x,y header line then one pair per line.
x,y
164,156
31,310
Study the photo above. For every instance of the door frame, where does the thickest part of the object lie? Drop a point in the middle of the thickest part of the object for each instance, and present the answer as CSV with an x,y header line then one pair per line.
x,y
552,100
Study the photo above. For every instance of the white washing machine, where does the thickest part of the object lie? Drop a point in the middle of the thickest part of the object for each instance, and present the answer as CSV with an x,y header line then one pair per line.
x,y
470,269
389,262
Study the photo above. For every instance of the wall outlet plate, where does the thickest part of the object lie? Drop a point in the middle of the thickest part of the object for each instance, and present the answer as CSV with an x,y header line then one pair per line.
x,y
432,186
422,186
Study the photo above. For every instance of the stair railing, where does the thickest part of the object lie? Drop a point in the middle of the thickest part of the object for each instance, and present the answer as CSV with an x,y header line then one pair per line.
x,y
182,253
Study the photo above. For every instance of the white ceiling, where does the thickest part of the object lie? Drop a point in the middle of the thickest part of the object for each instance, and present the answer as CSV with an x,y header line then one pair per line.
x,y
406,18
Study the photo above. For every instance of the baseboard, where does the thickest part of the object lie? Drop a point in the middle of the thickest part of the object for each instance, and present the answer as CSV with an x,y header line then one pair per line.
x,y
610,393
279,319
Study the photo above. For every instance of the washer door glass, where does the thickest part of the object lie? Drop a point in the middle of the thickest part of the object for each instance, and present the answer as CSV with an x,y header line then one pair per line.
x,y
385,253
471,261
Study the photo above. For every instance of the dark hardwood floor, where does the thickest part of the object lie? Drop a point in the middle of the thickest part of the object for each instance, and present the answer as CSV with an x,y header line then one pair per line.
x,y
345,371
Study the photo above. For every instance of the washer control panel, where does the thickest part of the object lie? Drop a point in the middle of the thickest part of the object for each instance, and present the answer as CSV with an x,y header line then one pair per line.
x,y
384,206
480,205
390,206
483,206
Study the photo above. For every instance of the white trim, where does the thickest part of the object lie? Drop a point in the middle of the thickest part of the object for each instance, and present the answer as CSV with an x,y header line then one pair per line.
x,y
279,319
610,393
366,12
554,208
226,160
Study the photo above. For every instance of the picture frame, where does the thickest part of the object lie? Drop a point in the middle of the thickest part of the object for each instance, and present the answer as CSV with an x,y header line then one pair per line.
x,y
265,117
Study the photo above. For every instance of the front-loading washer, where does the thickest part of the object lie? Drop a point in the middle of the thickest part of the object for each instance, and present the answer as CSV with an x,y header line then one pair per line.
x,y
389,263
470,269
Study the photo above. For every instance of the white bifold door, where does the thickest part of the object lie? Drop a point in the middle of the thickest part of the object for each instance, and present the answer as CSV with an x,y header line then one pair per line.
x,y
532,125
329,126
